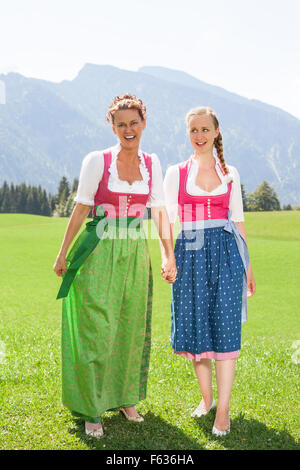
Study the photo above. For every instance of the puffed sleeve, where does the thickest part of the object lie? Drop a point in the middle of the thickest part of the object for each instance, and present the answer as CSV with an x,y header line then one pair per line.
x,y
171,187
156,198
90,175
236,201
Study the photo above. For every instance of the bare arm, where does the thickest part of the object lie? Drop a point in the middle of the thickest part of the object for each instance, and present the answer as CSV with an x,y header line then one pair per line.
x,y
163,254
250,278
162,249
79,214
161,220
241,227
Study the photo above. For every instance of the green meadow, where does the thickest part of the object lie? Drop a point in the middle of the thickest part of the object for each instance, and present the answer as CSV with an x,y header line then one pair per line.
x,y
265,398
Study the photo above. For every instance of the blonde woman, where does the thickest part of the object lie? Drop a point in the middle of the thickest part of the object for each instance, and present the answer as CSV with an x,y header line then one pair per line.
x,y
209,297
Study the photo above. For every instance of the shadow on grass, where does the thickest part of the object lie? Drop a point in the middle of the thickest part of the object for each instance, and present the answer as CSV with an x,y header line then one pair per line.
x,y
153,434
249,434
156,434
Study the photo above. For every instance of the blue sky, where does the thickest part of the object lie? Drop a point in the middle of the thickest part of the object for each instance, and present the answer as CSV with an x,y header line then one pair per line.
x,y
250,47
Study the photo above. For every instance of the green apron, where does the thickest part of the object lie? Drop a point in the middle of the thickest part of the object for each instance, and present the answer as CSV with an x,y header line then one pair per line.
x,y
106,322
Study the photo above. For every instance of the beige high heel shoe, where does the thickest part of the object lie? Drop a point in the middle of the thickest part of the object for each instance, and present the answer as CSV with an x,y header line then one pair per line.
x,y
134,419
97,433
201,410
217,432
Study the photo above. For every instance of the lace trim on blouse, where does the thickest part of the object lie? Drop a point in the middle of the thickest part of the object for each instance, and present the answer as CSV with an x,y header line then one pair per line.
x,y
123,184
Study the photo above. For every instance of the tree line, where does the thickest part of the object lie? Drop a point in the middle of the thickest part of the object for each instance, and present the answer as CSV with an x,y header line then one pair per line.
x,y
27,199
263,198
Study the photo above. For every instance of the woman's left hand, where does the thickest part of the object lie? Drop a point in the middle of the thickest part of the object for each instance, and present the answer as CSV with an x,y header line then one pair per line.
x,y
251,285
169,270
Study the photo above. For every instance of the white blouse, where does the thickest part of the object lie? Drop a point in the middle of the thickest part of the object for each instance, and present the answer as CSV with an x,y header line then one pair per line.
x,y
92,171
171,187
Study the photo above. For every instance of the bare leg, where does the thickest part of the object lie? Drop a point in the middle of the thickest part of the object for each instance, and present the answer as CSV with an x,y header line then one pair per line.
x,y
204,377
224,375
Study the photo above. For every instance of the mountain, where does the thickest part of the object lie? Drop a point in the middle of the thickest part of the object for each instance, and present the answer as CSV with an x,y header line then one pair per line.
x,y
46,128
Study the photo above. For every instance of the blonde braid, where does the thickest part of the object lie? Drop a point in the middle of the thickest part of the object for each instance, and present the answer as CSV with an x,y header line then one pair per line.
x,y
218,143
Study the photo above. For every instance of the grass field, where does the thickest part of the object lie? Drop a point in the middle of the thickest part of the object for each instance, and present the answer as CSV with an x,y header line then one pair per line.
x,y
265,398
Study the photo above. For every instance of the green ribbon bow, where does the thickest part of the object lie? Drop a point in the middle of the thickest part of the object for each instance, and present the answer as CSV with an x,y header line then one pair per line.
x,y
95,230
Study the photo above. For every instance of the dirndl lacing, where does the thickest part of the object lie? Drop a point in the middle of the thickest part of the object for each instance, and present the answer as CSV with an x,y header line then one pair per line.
x,y
194,230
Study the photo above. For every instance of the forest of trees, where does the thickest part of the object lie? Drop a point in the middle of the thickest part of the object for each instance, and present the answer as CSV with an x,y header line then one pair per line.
x,y
23,199
263,198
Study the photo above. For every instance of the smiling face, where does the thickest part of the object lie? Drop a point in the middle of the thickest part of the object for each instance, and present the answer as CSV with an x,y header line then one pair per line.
x,y
202,132
128,126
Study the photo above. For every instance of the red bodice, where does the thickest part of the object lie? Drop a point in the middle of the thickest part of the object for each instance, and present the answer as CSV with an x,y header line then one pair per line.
x,y
118,204
192,208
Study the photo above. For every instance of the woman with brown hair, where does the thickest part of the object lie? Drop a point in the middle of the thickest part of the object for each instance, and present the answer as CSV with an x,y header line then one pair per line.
x,y
107,279
209,297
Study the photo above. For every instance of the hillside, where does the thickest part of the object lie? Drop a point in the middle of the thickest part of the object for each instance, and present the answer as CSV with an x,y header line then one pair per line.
x,y
47,128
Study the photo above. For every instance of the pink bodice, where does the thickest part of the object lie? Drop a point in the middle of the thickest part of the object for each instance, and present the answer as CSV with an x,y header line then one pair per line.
x,y
192,208
121,204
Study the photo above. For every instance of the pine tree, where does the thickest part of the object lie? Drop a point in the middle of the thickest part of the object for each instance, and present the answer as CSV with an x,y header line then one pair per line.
x,y
29,208
12,198
36,202
63,190
70,204
244,198
75,185
19,195
45,205
264,198
53,200
5,198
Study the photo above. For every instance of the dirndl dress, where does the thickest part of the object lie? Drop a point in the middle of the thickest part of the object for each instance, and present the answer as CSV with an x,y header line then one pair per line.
x,y
106,315
209,297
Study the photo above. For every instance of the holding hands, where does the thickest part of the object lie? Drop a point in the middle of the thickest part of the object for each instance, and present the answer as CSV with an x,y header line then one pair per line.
x,y
169,270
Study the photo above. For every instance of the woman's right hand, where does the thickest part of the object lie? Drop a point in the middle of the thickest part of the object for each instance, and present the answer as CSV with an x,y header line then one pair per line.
x,y
80,212
169,270
60,265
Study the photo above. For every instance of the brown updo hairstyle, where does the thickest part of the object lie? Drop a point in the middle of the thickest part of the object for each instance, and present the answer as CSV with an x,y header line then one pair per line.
x,y
218,142
123,102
